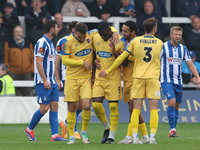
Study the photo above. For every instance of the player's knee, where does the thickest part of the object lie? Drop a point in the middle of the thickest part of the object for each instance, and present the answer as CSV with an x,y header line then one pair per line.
x,y
54,106
86,107
44,109
130,109
171,102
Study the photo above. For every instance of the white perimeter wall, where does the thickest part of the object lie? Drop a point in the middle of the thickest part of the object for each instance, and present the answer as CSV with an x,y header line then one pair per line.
x,y
21,110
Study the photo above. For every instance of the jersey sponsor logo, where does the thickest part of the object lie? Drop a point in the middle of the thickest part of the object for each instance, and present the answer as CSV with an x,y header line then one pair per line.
x,y
88,40
104,54
83,52
41,50
172,60
76,45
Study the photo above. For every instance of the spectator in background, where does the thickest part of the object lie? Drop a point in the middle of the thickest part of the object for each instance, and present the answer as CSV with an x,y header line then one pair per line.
x,y
34,21
6,82
75,8
3,37
9,19
159,6
148,13
192,36
24,6
18,55
187,8
186,73
2,3
125,9
101,10
87,2
53,6
113,3
62,29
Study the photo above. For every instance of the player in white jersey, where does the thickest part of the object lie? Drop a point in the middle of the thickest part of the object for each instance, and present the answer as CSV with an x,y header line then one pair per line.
x,y
44,82
172,56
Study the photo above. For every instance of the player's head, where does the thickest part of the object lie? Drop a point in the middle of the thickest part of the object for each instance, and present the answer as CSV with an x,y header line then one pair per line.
x,y
129,29
3,69
80,32
72,26
150,25
50,26
104,30
176,34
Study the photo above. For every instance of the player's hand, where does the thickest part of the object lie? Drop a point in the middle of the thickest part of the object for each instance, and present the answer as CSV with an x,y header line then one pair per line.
x,y
115,38
97,64
59,84
87,65
198,82
102,73
47,85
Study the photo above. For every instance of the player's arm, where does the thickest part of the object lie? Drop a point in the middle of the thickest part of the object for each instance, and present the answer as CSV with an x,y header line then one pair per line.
x,y
57,70
116,63
71,62
193,70
115,36
39,62
66,60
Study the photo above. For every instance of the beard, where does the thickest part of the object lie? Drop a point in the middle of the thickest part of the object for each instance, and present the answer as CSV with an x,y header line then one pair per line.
x,y
17,38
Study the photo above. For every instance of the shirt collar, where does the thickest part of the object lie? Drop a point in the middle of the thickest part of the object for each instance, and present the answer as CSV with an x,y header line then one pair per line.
x,y
172,45
47,39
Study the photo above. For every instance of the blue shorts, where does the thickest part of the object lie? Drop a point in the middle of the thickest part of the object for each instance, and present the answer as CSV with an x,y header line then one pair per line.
x,y
172,91
45,96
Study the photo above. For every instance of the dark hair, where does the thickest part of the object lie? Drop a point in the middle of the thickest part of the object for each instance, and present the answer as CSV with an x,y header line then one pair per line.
x,y
103,25
72,25
149,24
132,25
4,67
81,27
48,24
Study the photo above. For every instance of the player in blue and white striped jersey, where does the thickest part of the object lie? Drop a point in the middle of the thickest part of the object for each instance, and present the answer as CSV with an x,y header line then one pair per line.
x,y
44,82
172,56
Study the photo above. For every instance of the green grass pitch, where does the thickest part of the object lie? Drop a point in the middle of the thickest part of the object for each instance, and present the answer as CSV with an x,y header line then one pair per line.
x,y
12,137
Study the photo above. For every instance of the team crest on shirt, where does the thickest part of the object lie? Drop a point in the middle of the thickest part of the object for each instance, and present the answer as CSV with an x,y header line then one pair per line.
x,y
157,93
63,46
76,45
58,48
41,50
88,40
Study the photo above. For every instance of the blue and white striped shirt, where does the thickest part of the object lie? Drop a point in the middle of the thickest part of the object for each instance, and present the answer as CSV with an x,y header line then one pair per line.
x,y
171,63
45,48
59,49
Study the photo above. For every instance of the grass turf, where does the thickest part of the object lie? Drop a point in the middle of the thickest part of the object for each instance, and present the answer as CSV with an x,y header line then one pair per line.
x,y
12,137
